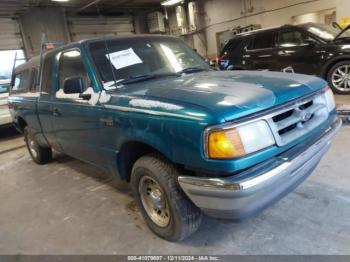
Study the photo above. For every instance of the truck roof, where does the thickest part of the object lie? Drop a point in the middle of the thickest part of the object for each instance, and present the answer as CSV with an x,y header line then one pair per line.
x,y
140,36
35,61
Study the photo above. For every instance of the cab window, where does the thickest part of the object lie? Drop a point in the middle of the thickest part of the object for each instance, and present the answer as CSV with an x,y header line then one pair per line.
x,y
262,41
71,65
22,81
292,38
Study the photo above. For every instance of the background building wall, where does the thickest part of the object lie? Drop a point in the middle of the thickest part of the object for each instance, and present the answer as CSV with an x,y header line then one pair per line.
x,y
343,9
222,15
37,20
214,16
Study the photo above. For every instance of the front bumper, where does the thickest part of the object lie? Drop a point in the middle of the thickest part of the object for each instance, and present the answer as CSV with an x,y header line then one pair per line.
x,y
244,194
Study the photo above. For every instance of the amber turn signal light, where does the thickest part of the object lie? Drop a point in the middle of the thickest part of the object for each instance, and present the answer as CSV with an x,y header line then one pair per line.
x,y
225,144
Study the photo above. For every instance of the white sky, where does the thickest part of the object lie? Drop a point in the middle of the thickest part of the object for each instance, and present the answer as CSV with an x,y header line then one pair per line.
x,y
7,59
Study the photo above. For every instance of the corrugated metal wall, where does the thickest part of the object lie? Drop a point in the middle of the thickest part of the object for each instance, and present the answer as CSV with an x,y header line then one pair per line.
x,y
92,27
10,37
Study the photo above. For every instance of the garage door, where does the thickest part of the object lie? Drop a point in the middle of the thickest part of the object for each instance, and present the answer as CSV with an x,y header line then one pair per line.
x,y
10,37
84,28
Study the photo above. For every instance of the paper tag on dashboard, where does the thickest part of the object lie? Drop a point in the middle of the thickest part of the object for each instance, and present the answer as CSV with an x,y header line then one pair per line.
x,y
124,58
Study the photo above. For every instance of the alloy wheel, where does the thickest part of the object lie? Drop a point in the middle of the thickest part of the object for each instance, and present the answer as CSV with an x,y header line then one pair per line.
x,y
341,78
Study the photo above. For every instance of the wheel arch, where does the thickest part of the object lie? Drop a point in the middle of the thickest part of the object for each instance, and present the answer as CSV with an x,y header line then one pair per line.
x,y
331,63
21,124
130,152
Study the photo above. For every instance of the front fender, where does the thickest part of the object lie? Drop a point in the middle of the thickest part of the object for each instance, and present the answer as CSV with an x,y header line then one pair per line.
x,y
174,130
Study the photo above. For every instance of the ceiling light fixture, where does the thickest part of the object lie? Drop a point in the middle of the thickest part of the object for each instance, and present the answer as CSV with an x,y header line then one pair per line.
x,y
60,0
171,2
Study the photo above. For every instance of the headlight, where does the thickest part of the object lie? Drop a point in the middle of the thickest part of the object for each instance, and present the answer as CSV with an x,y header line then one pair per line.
x,y
239,141
330,102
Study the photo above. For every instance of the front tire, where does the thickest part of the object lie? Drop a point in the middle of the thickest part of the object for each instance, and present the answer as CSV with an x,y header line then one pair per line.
x,y
165,207
40,155
338,77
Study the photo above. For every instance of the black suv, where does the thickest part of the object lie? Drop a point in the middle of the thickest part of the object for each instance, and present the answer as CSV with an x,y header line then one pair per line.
x,y
311,48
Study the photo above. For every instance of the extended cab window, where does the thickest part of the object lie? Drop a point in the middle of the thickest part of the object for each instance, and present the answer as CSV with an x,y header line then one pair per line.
x,y
22,81
262,41
292,38
71,65
16,82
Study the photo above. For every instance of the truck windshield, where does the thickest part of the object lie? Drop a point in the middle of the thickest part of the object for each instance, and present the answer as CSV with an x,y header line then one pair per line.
x,y
325,32
131,60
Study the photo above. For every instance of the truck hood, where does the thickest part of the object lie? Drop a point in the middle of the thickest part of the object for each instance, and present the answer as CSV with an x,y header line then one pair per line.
x,y
229,94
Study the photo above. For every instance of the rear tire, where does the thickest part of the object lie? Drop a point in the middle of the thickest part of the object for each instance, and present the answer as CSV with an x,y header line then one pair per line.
x,y
157,192
338,77
40,155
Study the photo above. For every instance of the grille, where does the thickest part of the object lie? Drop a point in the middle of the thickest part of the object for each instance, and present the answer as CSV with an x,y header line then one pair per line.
x,y
292,122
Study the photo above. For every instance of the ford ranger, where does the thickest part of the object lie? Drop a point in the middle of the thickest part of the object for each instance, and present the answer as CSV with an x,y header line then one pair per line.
x,y
189,139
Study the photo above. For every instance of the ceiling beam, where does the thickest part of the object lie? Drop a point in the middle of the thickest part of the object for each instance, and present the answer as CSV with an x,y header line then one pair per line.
x,y
88,5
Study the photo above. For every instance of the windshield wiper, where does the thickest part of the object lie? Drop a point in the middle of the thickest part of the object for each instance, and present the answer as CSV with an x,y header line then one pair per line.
x,y
192,69
145,77
140,78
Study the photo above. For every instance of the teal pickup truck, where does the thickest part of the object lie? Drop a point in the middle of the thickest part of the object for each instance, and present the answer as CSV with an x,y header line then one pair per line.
x,y
189,139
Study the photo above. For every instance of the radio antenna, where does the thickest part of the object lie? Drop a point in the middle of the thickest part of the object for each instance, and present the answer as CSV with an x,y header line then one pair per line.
x,y
107,48
109,60
42,45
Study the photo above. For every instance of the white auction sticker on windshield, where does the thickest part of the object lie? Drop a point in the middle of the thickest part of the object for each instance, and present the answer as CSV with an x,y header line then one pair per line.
x,y
124,58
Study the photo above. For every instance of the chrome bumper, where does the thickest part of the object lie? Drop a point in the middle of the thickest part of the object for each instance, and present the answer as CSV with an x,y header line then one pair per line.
x,y
242,195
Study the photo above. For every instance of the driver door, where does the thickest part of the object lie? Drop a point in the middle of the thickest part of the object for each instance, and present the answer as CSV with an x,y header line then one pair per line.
x,y
74,118
260,52
297,52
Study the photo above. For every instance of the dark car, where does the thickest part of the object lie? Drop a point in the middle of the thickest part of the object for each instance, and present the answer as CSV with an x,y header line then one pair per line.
x,y
311,48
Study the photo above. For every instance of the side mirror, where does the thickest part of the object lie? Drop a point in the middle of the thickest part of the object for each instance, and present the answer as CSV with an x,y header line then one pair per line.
x,y
73,85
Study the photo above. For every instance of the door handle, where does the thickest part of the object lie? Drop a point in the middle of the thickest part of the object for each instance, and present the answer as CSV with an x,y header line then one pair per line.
x,y
107,121
56,112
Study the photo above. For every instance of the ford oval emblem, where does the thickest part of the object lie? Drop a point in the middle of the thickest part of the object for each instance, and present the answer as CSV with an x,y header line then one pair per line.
x,y
305,117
